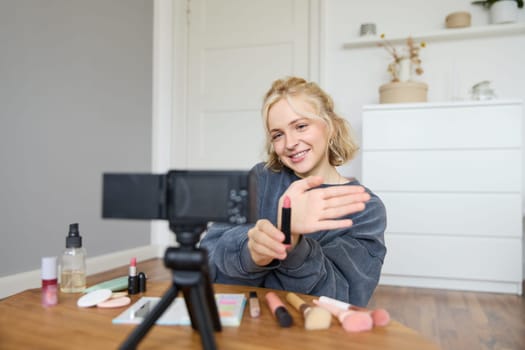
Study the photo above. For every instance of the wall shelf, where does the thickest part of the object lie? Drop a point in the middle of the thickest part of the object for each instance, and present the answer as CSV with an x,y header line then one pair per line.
x,y
443,34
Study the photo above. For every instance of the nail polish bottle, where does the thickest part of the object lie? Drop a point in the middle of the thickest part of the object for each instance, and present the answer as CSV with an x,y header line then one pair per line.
x,y
49,281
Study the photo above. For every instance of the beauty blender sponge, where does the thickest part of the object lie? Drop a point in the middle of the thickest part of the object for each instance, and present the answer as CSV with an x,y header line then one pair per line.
x,y
356,321
352,321
381,317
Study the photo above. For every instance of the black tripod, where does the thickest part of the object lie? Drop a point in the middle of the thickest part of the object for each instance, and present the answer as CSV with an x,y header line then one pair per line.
x,y
191,275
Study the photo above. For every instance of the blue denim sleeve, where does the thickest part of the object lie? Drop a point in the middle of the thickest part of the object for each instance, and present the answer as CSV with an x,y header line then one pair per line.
x,y
229,258
344,264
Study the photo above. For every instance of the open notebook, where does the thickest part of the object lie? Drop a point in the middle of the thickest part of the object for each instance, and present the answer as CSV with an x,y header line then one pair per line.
x,y
230,307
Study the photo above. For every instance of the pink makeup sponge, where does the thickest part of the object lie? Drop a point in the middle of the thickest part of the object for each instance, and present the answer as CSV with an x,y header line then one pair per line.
x,y
356,321
381,317
351,320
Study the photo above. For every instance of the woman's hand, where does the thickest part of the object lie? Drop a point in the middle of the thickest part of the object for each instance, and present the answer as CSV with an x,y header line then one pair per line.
x,y
265,243
319,208
312,210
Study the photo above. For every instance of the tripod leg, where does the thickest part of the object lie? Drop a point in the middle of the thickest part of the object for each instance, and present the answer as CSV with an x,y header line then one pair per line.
x,y
211,302
143,328
199,310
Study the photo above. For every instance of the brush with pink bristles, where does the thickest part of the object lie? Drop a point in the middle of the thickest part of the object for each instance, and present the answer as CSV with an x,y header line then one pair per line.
x,y
352,321
381,317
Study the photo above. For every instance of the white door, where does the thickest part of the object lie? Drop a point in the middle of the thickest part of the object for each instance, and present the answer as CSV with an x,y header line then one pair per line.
x,y
236,49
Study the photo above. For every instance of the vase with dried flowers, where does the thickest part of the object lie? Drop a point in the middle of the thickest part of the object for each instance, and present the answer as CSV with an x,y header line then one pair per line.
x,y
406,62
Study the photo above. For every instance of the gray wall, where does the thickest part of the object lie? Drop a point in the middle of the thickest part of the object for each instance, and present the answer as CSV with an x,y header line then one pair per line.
x,y
75,101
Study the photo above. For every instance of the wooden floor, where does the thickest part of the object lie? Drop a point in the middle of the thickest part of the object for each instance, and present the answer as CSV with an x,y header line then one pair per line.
x,y
458,320
454,320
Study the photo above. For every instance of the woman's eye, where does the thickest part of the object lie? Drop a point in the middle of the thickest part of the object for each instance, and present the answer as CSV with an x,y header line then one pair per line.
x,y
301,126
276,136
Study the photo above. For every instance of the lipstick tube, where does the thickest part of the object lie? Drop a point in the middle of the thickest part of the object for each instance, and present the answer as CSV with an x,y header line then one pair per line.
x,y
133,280
279,310
286,216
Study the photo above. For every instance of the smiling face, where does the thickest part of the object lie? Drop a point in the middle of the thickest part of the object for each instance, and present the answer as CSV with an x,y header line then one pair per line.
x,y
300,142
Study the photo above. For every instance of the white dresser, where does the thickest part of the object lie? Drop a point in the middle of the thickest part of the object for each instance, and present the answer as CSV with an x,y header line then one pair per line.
x,y
451,177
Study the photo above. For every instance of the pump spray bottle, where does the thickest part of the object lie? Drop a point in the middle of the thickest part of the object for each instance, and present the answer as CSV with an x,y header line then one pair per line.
x,y
73,263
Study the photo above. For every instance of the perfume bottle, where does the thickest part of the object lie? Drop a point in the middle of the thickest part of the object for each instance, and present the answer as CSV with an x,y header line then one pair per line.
x,y
73,263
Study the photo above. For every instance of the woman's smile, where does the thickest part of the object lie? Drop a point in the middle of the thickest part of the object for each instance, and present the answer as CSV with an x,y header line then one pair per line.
x,y
299,156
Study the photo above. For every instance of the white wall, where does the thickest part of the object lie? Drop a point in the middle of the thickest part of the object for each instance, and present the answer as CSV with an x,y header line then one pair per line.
x,y
75,101
353,76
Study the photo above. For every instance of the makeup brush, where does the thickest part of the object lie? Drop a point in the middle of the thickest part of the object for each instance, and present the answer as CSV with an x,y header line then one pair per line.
x,y
381,317
352,321
315,317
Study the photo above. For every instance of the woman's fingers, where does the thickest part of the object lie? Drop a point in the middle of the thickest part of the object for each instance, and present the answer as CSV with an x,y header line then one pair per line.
x,y
344,201
263,252
321,208
264,242
340,211
305,184
339,191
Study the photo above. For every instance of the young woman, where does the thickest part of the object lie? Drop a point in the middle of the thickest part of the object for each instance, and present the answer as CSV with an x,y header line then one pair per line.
x,y
337,225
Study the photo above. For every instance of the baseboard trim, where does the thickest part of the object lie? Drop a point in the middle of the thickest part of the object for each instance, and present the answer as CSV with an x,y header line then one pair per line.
x,y
453,284
19,282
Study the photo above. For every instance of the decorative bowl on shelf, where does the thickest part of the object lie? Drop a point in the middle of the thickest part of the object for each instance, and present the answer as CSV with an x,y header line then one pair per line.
x,y
458,20
403,92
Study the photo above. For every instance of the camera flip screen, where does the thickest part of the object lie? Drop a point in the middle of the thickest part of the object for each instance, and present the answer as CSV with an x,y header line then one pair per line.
x,y
134,196
192,197
181,196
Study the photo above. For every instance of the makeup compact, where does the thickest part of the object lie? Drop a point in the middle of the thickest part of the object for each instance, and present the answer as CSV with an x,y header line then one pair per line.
x,y
93,298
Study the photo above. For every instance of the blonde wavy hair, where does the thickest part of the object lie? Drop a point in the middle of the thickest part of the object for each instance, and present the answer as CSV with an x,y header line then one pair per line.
x,y
342,146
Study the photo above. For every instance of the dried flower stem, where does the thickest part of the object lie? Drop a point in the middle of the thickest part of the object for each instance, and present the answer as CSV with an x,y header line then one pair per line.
x,y
412,54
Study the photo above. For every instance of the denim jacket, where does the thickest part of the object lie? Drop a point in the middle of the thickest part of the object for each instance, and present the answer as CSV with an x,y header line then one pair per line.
x,y
344,263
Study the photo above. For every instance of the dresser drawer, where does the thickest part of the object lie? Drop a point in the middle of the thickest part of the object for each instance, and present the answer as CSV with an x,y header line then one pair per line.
x,y
443,127
453,257
461,214
461,171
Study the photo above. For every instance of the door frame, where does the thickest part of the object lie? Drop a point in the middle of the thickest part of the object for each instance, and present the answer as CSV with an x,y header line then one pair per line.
x,y
170,42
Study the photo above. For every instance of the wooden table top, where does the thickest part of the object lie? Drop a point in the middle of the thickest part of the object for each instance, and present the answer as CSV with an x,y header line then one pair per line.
x,y
25,324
